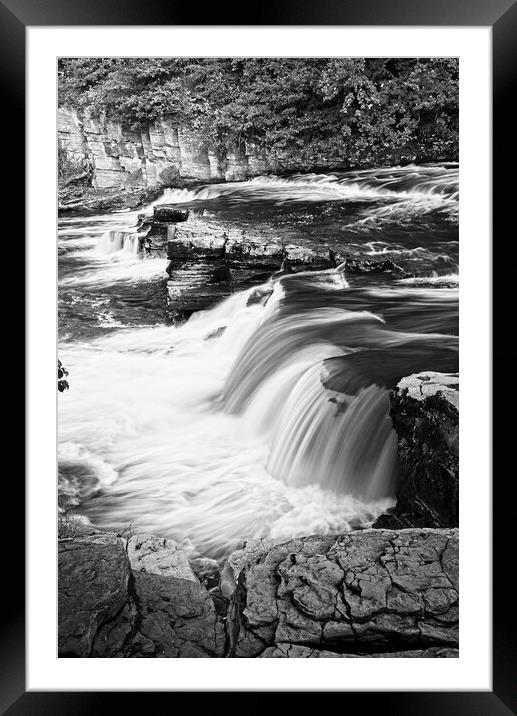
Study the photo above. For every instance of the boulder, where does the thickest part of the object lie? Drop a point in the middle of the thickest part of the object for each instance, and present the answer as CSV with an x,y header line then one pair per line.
x,y
158,555
133,598
74,201
364,592
169,213
92,589
355,265
206,570
177,616
424,411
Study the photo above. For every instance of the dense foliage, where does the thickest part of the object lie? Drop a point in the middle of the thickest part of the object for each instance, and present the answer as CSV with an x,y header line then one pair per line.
x,y
316,111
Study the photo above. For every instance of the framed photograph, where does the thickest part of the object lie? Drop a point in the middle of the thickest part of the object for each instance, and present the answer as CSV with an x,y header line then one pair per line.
x,y
244,249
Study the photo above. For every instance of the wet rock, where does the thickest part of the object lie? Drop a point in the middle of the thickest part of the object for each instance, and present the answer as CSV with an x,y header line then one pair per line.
x,y
135,598
208,248
208,262
206,570
424,411
240,252
239,559
169,213
92,589
221,603
75,201
260,295
353,265
384,366
363,592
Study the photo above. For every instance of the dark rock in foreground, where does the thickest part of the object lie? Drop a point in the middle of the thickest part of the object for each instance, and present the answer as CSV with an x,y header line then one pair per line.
x,y
294,651
133,598
371,593
364,592
424,410
93,589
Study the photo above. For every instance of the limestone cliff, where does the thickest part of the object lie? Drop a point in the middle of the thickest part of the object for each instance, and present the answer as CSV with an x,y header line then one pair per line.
x,y
122,157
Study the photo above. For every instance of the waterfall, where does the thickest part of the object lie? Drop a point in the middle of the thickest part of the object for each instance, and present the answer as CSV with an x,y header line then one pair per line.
x,y
267,415
341,442
119,242
345,444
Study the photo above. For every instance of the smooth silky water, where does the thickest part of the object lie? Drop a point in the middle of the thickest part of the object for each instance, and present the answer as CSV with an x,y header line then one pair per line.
x,y
254,419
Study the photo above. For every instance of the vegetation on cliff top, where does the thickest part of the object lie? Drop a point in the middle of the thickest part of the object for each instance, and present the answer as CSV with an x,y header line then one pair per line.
x,y
317,112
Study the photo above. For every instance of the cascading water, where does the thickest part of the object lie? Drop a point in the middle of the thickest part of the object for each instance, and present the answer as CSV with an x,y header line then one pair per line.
x,y
114,242
257,417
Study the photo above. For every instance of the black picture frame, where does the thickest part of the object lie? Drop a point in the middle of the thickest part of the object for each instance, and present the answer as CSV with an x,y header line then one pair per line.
x,y
501,15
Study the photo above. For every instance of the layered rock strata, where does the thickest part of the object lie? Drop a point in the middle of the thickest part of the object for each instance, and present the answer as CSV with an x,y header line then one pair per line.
x,y
120,157
209,261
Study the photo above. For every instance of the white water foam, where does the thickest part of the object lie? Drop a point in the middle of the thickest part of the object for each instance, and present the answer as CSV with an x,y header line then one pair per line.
x,y
146,402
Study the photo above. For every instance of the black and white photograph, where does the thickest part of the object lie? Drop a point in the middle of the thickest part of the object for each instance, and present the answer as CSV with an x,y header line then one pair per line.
x,y
258,358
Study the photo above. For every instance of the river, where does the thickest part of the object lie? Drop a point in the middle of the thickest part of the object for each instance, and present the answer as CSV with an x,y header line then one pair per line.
x,y
254,419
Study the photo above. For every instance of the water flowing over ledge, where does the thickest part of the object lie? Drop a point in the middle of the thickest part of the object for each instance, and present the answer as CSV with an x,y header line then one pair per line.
x,y
266,415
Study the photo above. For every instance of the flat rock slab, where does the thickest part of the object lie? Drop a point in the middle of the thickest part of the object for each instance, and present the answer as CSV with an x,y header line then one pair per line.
x,y
170,213
430,384
158,555
294,651
363,592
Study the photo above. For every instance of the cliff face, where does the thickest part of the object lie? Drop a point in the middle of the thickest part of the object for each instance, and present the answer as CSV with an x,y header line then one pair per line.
x,y
120,157
424,411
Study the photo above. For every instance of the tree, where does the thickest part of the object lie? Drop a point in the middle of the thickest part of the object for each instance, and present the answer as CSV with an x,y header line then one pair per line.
x,y
300,111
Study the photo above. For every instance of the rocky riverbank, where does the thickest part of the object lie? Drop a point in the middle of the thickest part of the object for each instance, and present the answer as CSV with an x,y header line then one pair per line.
x,y
80,200
389,591
369,593
425,415
209,261
382,593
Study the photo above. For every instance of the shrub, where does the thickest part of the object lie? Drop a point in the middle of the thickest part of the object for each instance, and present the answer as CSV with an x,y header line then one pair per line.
x,y
169,176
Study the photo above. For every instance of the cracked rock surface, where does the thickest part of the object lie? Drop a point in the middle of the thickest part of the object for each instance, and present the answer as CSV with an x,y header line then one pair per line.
x,y
364,592
293,651
133,598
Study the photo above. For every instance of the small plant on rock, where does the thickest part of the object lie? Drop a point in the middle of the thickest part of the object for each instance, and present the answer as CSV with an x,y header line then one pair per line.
x,y
62,383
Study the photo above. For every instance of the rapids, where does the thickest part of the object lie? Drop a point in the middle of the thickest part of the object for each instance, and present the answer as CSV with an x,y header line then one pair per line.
x,y
253,419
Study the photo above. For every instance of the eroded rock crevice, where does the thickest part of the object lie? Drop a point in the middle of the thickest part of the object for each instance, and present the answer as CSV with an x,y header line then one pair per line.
x,y
365,592
368,593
